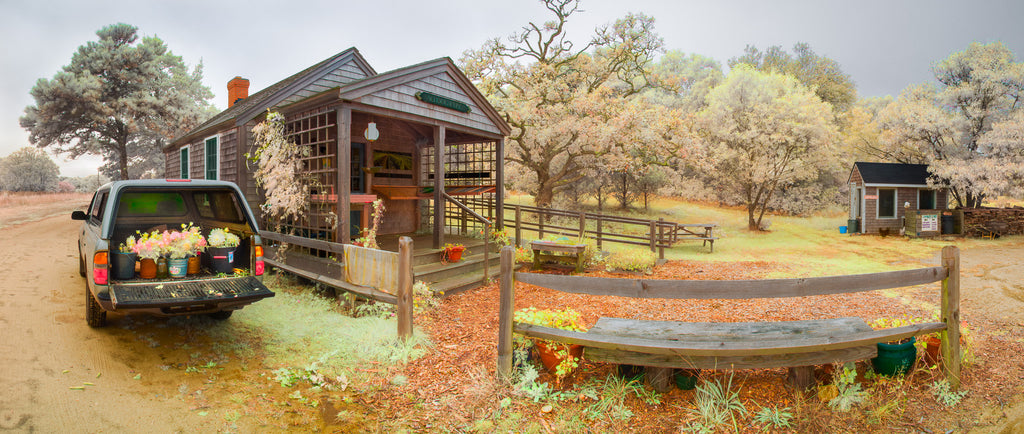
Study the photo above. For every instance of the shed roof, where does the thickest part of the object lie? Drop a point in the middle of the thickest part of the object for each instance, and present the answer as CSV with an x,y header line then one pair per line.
x,y
892,173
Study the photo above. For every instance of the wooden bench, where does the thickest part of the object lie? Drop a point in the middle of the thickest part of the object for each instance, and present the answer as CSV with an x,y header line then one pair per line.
x,y
572,253
798,345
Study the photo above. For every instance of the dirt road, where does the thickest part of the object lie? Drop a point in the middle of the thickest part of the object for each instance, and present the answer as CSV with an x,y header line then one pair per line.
x,y
47,351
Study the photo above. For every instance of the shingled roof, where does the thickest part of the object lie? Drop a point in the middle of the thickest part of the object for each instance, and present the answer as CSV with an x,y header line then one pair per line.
x,y
893,173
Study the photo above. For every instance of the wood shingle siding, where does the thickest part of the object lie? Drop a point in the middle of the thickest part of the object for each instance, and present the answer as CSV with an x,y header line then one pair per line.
x,y
403,98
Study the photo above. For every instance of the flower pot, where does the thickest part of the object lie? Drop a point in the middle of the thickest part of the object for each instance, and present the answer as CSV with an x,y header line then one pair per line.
x,y
932,354
147,268
452,254
549,354
895,359
161,269
222,259
123,265
686,379
177,267
194,264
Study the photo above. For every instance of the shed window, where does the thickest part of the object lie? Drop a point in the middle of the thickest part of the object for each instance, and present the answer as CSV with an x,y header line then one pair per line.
x,y
211,158
183,158
925,199
886,203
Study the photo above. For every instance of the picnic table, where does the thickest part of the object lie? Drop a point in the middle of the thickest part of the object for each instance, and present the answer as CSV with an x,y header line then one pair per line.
x,y
695,231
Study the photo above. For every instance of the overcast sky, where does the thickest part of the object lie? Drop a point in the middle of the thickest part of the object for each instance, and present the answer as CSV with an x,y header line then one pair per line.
x,y
884,45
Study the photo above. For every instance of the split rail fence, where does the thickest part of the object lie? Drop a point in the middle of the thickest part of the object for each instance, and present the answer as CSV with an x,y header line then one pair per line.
x,y
657,235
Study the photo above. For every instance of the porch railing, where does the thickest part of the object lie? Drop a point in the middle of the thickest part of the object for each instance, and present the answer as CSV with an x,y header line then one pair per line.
x,y
487,230
328,271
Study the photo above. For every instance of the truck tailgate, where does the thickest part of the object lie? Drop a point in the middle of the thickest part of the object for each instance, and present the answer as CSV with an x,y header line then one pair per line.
x,y
234,290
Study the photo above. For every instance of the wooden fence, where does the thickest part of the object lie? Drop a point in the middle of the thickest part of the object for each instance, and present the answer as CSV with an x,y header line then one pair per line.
x,y
653,234
327,271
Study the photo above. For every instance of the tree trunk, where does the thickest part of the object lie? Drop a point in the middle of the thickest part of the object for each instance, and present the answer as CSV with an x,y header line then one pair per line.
x,y
751,224
545,195
123,160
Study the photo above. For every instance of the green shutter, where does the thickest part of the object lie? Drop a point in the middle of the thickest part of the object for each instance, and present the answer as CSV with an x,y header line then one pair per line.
x,y
184,163
211,158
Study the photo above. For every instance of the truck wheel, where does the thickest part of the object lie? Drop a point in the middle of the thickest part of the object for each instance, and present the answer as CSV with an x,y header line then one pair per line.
x,y
95,316
222,315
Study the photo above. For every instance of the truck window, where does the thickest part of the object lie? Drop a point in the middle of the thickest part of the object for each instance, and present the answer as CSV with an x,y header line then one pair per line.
x,y
162,203
99,202
219,205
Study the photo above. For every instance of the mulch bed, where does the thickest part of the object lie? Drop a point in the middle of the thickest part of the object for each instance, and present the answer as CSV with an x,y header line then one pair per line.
x,y
454,385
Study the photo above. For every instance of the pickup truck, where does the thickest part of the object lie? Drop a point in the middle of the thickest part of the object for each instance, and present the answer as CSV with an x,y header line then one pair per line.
x,y
122,208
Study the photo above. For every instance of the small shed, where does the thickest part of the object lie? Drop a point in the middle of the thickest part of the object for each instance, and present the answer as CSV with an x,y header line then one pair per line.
x,y
883,195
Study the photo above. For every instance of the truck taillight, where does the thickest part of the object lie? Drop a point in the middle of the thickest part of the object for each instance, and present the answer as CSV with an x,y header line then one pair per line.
x,y
99,269
258,266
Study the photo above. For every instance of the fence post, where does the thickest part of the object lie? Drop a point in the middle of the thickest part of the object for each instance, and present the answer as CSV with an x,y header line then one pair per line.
x,y
599,233
506,302
661,238
583,225
540,222
653,224
519,225
404,295
487,252
950,347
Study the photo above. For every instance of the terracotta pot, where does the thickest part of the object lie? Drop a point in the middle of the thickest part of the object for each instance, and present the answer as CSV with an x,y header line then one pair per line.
x,y
147,268
193,264
932,355
550,357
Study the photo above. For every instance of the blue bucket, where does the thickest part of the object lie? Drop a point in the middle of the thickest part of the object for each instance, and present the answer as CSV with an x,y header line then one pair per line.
x,y
842,229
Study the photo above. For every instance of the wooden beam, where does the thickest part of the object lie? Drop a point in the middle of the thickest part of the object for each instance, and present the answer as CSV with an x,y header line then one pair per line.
x,y
506,302
499,173
363,291
950,346
304,242
344,179
734,289
749,346
439,200
404,296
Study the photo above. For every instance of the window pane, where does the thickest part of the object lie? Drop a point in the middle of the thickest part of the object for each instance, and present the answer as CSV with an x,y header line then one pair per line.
x,y
886,203
163,204
926,199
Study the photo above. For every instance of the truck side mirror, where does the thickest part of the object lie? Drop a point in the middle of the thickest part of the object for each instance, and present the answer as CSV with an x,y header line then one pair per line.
x,y
79,215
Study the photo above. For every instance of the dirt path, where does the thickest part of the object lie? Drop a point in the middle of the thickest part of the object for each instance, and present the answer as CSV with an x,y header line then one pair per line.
x,y
46,348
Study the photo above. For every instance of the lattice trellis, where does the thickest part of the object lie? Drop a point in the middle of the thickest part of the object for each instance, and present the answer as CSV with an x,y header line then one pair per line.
x,y
316,134
467,165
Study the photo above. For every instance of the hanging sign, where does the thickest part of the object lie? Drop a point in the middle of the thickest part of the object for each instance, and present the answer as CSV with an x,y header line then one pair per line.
x,y
871,196
439,100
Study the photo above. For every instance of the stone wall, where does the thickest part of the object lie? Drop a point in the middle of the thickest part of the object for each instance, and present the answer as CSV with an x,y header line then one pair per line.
x,y
976,218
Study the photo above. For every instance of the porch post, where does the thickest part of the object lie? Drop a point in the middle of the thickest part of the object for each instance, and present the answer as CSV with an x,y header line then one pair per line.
x,y
344,157
439,201
499,189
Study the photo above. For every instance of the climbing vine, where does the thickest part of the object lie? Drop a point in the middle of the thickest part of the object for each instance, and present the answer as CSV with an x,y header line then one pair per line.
x,y
279,169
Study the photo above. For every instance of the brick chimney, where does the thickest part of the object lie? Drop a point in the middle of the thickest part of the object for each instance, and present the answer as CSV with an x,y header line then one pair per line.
x,y
238,89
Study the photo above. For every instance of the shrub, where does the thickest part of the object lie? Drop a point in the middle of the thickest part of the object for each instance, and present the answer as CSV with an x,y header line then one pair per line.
x,y
633,260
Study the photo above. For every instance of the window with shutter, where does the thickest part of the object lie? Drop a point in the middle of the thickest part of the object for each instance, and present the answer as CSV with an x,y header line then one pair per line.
x,y
212,169
184,174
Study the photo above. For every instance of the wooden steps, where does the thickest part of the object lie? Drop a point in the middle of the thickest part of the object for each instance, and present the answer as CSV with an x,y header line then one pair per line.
x,y
452,278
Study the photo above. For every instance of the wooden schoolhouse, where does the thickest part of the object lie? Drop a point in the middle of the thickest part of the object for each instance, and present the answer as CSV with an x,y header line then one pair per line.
x,y
885,197
422,138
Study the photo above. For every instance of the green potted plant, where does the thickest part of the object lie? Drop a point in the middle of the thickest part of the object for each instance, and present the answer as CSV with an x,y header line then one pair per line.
x,y
123,260
894,357
560,359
